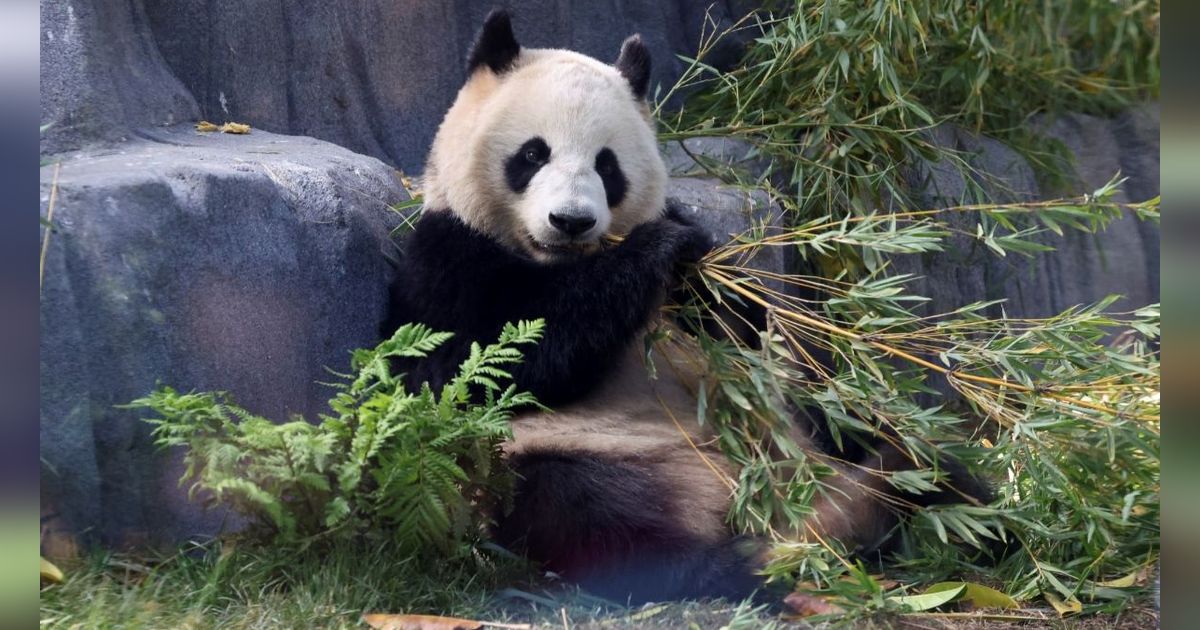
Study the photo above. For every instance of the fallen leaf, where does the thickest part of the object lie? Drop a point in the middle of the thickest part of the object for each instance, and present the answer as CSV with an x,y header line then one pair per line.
x,y
806,605
927,601
419,622
1121,582
1140,577
647,613
978,595
232,127
205,126
51,573
410,185
1064,608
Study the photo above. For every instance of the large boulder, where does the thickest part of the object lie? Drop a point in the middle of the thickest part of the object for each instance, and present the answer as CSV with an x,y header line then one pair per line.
x,y
248,264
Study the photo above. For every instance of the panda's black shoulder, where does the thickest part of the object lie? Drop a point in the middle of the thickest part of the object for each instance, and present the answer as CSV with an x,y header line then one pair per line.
x,y
442,237
439,268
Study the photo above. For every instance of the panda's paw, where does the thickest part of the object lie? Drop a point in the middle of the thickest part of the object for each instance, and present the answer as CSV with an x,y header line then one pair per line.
x,y
668,242
694,242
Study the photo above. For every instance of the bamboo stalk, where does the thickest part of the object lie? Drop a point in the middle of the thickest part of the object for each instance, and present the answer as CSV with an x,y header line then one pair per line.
x,y
952,374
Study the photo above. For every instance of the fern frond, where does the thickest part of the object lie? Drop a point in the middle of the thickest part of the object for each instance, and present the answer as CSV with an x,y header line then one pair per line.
x,y
419,465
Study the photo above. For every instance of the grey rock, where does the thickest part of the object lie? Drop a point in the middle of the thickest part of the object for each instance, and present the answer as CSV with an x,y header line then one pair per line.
x,y
376,76
247,264
1084,268
728,212
102,75
373,76
696,156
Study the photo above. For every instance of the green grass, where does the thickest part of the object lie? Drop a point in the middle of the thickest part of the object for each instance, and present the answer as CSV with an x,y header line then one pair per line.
x,y
256,589
271,588
202,587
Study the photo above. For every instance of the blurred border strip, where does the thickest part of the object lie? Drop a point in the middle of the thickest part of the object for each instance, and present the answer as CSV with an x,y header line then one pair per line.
x,y
1180,135
19,107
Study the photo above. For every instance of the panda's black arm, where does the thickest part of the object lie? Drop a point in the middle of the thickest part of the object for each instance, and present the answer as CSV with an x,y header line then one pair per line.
x,y
462,281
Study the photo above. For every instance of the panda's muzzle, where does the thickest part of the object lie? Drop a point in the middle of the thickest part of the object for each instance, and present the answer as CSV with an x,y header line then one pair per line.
x,y
572,223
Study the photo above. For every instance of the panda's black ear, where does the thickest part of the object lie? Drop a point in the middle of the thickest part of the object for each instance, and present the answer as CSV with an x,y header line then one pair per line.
x,y
495,47
634,64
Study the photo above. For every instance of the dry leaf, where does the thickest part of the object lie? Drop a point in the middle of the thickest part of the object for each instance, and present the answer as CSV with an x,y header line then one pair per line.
x,y
806,605
419,622
51,573
1140,577
1069,607
205,126
232,127
1121,582
410,185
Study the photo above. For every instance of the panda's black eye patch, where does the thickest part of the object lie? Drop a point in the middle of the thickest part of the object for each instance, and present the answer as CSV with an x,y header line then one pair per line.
x,y
525,162
609,169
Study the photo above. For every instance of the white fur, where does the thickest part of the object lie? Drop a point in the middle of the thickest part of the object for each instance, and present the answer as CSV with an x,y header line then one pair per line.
x,y
579,106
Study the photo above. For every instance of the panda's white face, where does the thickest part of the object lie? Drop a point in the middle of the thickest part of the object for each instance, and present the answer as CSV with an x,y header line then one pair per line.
x,y
563,142
548,156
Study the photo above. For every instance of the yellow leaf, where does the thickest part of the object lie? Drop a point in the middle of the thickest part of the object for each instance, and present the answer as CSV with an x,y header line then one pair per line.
x,y
232,127
1064,608
206,126
419,622
51,573
978,595
648,613
1140,576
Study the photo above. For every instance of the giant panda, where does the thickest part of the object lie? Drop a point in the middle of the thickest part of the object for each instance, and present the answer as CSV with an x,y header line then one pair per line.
x,y
543,152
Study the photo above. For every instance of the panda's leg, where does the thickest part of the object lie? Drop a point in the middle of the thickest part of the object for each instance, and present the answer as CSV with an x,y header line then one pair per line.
x,y
859,507
625,529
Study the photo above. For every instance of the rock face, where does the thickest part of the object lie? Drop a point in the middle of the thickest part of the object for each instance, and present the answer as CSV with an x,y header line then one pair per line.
x,y
1084,268
240,263
1123,259
375,76
102,75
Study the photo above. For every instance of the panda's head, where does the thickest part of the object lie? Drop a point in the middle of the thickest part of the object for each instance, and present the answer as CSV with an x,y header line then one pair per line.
x,y
548,150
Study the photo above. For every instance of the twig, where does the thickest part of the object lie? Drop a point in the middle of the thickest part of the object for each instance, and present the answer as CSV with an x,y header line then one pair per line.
x,y
49,225
951,373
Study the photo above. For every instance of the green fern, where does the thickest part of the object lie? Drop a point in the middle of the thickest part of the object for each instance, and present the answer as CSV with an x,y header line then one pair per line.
x,y
423,468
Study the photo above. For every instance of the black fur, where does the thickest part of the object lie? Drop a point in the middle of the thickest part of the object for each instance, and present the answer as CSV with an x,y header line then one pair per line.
x,y
522,165
612,527
496,46
456,279
609,169
634,64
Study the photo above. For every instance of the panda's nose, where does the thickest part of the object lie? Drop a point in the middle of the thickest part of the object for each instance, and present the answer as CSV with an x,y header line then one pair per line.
x,y
572,224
